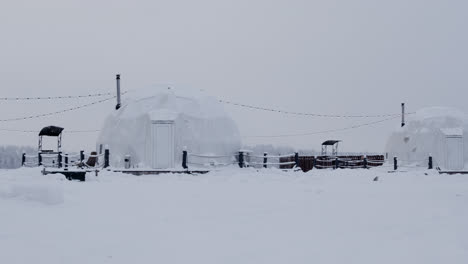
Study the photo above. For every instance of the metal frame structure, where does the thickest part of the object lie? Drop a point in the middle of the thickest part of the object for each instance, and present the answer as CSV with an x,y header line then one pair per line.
x,y
51,131
334,144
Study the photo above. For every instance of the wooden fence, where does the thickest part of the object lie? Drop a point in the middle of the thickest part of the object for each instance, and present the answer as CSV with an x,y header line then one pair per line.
x,y
63,160
307,163
289,161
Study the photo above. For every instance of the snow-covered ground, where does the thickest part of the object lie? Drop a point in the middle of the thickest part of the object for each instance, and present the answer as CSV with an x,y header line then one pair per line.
x,y
235,216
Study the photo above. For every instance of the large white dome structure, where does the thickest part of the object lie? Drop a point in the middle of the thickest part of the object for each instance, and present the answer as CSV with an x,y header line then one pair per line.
x,y
439,132
154,127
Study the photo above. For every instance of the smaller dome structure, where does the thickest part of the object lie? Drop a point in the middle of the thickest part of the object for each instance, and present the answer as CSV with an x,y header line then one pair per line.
x,y
439,132
155,126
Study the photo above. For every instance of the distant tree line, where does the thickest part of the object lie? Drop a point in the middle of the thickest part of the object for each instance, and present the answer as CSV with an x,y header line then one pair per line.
x,y
10,156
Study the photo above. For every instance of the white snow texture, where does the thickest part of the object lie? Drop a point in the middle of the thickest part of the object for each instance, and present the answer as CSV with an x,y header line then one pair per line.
x,y
236,216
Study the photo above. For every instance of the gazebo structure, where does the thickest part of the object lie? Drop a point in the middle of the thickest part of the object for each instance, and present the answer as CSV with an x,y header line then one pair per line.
x,y
334,146
51,131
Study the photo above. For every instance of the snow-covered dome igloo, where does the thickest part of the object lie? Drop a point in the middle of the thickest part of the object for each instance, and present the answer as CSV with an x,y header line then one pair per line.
x,y
439,132
155,126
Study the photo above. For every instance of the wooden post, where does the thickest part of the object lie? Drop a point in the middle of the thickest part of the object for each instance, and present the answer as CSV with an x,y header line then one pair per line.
x,y
106,158
39,159
184,159
81,156
365,162
23,159
337,163
241,159
395,163
296,159
59,160
66,161
430,163
265,159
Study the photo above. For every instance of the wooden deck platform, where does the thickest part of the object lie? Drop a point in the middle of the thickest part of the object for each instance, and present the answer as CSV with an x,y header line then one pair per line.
x,y
70,174
453,172
80,174
155,172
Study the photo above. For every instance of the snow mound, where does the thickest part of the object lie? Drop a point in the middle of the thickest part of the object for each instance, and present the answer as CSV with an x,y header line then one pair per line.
x,y
27,184
45,193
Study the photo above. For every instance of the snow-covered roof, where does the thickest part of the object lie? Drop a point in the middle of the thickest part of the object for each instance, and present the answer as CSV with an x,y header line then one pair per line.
x,y
165,103
438,112
452,131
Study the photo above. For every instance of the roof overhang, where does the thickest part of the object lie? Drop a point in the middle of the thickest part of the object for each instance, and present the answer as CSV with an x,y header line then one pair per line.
x,y
330,142
51,131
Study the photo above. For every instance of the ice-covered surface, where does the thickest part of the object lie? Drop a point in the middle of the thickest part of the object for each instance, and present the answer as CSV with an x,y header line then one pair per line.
x,y
236,216
201,125
424,135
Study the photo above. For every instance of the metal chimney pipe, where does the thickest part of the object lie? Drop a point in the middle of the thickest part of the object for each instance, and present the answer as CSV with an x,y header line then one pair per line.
x,y
118,91
402,114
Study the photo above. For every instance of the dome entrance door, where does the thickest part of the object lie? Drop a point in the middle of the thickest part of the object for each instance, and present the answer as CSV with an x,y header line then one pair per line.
x,y
454,153
162,135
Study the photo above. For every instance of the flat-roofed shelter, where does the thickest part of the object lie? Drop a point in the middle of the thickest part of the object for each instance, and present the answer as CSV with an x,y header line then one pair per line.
x,y
333,144
51,131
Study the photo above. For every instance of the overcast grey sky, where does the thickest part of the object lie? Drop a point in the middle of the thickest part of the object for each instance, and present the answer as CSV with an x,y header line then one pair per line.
x,y
353,57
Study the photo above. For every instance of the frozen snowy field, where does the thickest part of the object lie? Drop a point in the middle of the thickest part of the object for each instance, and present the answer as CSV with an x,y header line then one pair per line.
x,y
235,216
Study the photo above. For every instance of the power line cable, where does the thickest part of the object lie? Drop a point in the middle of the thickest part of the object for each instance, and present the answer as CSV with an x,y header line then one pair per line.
x,y
37,131
57,112
308,114
82,131
54,97
270,136
222,101
325,131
